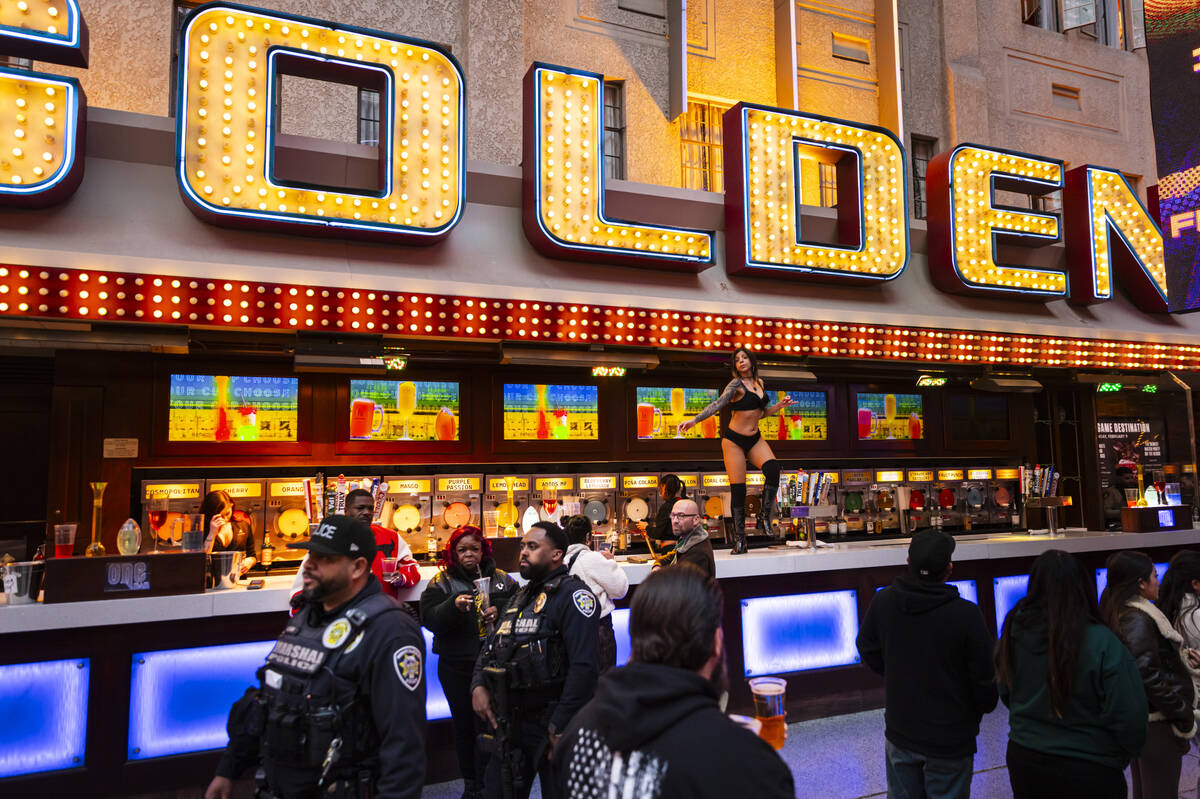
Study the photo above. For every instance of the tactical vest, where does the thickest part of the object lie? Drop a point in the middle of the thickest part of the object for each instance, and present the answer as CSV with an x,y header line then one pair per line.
x,y
528,647
306,703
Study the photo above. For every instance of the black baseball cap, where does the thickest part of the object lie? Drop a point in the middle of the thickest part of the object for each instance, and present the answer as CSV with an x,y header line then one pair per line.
x,y
929,553
341,535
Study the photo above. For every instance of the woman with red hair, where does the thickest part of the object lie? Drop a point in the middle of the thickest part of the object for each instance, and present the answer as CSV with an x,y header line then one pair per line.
x,y
459,616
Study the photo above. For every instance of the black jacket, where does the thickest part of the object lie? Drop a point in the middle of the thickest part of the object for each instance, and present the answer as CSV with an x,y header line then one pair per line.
x,y
659,730
570,613
935,654
394,694
456,634
1168,685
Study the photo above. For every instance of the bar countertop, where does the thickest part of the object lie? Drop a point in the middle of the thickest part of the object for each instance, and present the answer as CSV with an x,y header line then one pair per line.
x,y
273,597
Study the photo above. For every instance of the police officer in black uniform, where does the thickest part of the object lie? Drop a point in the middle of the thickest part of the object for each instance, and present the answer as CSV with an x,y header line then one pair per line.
x,y
340,710
538,668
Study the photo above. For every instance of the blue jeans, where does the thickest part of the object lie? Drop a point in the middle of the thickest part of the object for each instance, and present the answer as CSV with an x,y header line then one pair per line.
x,y
911,775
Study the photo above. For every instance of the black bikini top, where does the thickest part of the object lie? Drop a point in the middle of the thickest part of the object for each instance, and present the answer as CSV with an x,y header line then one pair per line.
x,y
749,401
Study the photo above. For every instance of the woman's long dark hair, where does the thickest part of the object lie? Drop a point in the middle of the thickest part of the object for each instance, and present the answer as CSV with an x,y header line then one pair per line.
x,y
1059,593
214,502
753,363
1177,582
673,486
1126,570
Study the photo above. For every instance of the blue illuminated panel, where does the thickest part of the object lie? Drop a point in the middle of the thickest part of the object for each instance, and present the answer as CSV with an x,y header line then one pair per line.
x,y
782,634
436,706
620,620
1008,591
1102,577
966,589
44,711
179,699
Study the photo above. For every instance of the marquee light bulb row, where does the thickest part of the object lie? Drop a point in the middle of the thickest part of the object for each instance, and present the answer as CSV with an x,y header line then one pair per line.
x,y
227,130
207,302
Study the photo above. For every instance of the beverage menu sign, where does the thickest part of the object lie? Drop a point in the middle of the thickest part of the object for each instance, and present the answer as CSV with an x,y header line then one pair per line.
x,y
212,408
889,417
394,410
804,420
551,412
660,411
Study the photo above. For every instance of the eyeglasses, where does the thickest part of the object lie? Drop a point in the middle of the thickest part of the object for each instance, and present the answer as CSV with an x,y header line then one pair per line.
x,y
683,515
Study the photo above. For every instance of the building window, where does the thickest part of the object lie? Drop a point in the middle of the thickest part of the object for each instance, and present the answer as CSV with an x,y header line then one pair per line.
x,y
368,117
1107,21
701,146
614,130
1041,14
851,48
827,176
182,9
922,151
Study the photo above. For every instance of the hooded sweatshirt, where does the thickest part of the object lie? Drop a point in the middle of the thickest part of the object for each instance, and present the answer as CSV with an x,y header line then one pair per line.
x,y
935,654
1105,719
657,732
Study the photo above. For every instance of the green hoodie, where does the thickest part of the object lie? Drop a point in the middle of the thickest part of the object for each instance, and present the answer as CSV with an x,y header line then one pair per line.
x,y
1104,722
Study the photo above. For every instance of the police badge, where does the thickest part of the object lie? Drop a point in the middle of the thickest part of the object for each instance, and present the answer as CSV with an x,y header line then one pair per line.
x,y
335,633
407,662
539,603
585,603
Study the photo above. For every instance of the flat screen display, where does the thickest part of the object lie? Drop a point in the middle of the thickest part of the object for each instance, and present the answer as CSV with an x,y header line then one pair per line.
x,y
1172,37
404,410
889,417
536,412
804,420
217,408
977,417
660,409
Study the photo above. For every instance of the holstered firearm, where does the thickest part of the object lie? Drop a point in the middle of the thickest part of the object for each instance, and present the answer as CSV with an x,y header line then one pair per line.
x,y
511,779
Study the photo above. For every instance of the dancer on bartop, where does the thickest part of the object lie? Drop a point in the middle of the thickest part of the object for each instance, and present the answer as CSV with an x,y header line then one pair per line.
x,y
746,397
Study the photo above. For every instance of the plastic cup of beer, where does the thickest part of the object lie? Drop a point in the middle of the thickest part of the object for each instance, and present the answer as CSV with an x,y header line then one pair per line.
x,y
64,540
1131,497
769,694
483,587
389,568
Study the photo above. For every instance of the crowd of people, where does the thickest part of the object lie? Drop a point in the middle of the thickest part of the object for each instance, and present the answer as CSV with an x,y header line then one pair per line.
x,y
530,677
1091,688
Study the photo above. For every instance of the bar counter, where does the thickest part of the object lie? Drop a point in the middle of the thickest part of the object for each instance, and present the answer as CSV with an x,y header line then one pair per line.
x,y
130,695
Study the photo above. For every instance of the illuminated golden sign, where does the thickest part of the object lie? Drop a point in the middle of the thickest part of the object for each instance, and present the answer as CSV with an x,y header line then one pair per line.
x,y
498,484
920,475
715,481
597,483
1007,474
979,474
764,148
966,223
172,491
290,488
230,60
889,476
950,474
559,483
688,480
407,485
639,481
456,484
238,490
1108,231
564,176
755,479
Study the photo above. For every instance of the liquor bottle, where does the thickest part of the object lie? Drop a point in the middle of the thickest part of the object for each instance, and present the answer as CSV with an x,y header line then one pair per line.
x,y
268,551
431,544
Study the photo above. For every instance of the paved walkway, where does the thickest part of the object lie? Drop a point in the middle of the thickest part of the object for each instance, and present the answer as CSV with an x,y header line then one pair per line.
x,y
841,757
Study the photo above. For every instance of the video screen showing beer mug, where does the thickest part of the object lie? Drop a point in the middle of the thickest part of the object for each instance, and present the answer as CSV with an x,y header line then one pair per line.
x,y
770,694
649,420
364,414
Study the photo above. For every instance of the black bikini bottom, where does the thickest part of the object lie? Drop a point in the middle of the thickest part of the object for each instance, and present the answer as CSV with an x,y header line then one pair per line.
x,y
745,442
